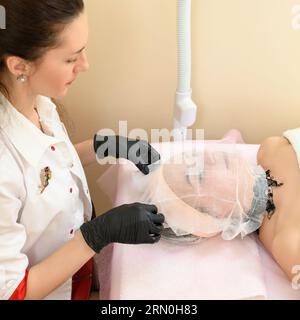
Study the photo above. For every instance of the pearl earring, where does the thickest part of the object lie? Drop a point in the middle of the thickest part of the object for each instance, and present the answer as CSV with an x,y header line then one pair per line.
x,y
22,78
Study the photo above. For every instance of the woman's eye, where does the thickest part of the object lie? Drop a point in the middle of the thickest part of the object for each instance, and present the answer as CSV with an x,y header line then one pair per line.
x,y
72,61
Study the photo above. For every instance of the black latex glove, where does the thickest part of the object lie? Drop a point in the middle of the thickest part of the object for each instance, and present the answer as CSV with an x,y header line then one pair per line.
x,y
130,223
139,152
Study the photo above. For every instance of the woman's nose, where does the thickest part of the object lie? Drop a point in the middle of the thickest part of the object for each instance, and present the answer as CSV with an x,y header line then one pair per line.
x,y
83,64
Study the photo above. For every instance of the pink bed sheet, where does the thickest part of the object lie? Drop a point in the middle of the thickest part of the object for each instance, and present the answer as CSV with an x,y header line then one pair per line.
x,y
212,269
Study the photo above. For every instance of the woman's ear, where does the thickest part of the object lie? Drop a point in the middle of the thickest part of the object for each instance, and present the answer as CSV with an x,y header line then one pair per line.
x,y
17,66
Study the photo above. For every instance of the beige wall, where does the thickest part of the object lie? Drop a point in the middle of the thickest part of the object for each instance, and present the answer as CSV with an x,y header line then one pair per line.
x,y
245,74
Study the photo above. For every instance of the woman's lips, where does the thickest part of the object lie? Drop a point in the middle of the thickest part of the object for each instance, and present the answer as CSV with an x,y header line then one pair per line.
x,y
71,82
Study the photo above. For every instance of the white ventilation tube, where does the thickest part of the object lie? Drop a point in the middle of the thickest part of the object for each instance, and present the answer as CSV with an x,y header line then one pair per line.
x,y
185,110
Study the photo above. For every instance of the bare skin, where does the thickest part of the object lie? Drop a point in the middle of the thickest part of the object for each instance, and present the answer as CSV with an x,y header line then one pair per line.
x,y
281,234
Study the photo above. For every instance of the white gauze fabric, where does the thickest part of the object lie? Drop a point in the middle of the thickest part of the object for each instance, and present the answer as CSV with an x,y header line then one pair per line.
x,y
203,193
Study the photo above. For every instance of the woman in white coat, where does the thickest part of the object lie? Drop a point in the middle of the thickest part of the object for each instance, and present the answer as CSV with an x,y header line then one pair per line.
x,y
47,236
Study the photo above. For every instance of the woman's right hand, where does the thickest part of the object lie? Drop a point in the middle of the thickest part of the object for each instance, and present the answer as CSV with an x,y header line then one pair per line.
x,y
134,223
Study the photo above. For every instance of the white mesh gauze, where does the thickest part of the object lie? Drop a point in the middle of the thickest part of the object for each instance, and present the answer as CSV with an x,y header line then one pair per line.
x,y
204,193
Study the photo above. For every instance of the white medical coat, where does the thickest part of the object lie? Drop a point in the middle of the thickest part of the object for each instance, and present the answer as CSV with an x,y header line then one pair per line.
x,y
33,224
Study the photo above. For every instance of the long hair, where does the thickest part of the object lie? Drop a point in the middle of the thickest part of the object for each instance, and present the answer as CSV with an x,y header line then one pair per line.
x,y
32,28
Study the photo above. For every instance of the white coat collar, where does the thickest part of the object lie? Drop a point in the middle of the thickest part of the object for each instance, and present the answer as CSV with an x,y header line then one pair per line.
x,y
25,136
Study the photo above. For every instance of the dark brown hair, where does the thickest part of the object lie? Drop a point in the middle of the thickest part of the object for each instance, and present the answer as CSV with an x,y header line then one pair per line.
x,y
33,27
